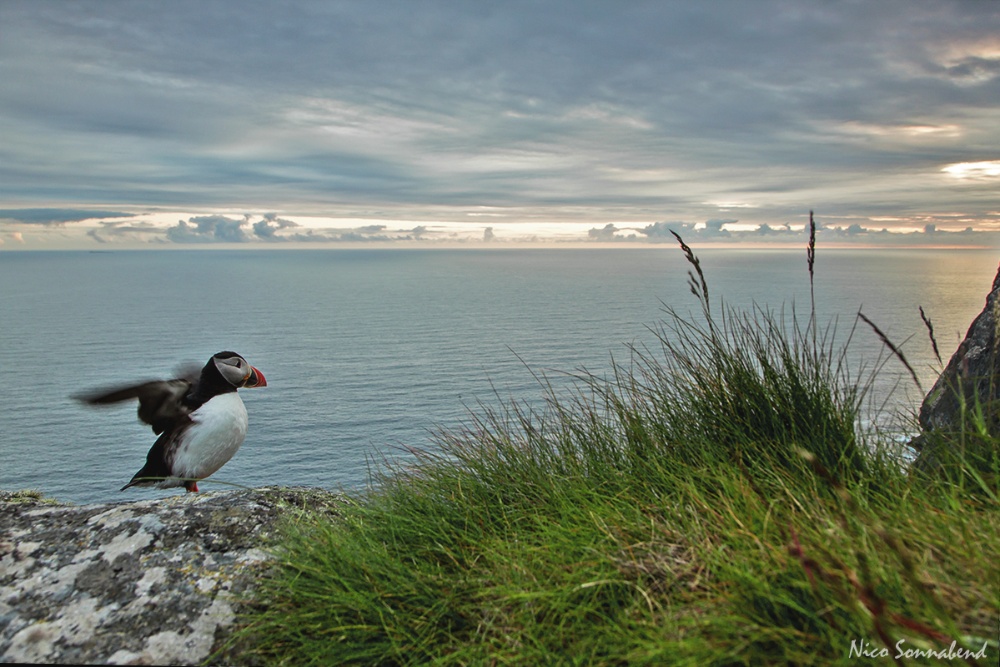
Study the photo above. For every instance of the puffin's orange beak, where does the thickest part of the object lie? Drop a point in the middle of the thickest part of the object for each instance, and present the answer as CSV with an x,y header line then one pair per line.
x,y
256,378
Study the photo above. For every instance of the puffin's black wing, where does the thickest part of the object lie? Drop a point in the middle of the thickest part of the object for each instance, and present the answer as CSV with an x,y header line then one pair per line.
x,y
160,458
161,402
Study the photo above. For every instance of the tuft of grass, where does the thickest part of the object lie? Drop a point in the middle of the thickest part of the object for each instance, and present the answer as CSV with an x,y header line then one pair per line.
x,y
967,455
713,502
27,497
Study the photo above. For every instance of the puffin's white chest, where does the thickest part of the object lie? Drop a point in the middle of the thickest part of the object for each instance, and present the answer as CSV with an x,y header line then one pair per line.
x,y
219,427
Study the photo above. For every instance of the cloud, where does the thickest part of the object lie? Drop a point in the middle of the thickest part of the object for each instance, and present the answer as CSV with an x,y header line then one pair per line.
x,y
714,227
661,230
267,228
711,229
606,233
559,111
209,229
110,232
974,69
56,216
986,170
356,237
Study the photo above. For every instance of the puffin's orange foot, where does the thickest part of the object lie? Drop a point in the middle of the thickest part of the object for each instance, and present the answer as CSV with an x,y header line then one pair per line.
x,y
192,487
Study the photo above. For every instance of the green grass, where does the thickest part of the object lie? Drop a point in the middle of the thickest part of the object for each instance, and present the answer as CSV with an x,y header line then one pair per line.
x,y
713,502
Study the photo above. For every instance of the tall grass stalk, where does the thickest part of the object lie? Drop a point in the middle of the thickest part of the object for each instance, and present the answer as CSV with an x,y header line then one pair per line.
x,y
713,502
930,334
811,264
893,348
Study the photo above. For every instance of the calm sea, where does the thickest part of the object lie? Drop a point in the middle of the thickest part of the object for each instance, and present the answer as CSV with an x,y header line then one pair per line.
x,y
368,351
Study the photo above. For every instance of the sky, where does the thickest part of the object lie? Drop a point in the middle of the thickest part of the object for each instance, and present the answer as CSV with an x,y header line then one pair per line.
x,y
135,123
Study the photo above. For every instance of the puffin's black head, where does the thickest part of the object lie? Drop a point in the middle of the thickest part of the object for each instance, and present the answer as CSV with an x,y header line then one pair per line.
x,y
235,370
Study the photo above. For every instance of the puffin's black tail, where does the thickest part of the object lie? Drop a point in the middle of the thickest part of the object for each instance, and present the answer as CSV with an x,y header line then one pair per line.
x,y
145,477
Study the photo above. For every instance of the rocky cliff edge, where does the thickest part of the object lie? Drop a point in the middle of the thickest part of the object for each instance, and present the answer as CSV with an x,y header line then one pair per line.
x,y
137,583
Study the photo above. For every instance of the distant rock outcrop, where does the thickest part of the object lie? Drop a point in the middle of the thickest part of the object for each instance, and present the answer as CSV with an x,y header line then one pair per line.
x,y
150,582
972,375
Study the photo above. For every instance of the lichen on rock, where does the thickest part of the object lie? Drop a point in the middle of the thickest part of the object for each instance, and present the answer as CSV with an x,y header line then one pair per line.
x,y
144,583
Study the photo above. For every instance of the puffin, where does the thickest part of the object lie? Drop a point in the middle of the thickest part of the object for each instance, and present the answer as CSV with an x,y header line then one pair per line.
x,y
199,419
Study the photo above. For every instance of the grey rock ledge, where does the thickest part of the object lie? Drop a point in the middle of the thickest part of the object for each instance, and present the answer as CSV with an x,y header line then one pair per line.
x,y
150,582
